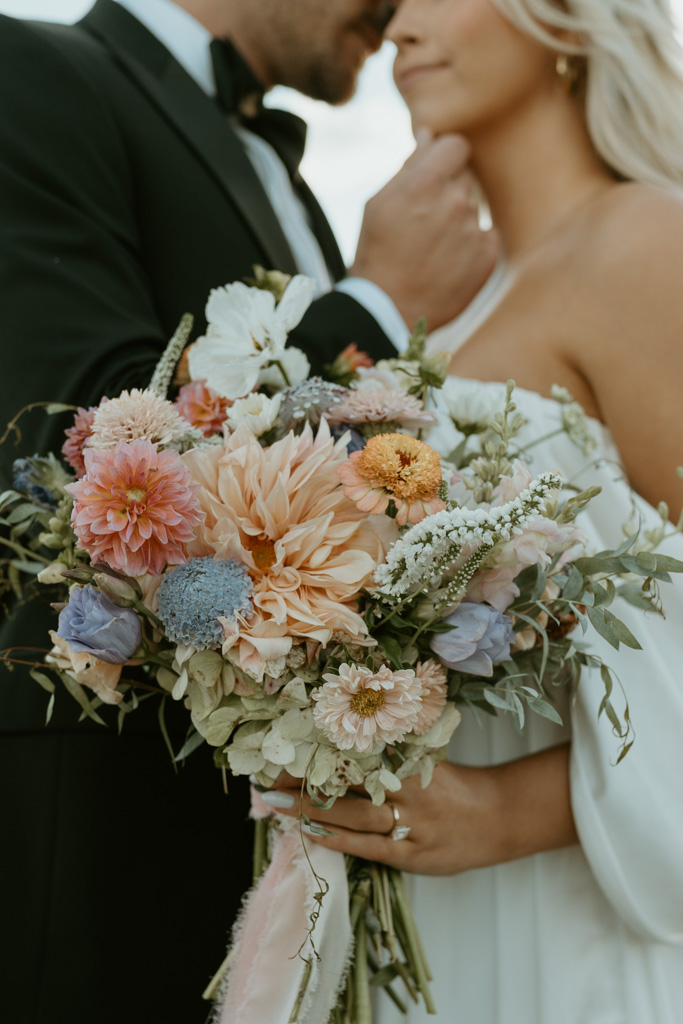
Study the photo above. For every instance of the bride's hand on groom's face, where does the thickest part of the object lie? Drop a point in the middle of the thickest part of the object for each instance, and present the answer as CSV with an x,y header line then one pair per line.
x,y
421,241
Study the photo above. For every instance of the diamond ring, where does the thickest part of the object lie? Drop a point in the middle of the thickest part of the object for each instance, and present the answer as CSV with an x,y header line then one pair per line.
x,y
398,831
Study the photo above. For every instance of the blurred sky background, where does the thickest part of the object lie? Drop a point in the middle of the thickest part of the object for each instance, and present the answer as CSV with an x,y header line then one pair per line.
x,y
352,150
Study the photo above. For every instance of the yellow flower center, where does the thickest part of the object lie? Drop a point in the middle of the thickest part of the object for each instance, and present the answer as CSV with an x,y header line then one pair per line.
x,y
367,703
262,551
401,465
135,495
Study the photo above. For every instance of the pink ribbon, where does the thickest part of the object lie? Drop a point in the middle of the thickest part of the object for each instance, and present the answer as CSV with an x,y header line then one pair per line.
x,y
265,974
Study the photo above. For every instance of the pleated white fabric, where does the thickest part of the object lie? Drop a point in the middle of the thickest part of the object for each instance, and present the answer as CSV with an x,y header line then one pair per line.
x,y
591,934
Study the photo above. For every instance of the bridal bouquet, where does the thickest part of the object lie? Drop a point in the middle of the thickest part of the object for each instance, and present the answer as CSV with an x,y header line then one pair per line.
x,y
322,572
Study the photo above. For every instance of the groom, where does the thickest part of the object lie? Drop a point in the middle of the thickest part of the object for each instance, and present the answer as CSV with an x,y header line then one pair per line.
x,y
138,169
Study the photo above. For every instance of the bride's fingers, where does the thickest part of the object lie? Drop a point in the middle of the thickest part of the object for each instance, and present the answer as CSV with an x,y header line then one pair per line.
x,y
354,813
368,845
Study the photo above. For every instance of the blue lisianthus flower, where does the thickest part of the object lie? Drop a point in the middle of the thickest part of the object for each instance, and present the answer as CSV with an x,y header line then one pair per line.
x,y
41,478
192,597
480,639
93,624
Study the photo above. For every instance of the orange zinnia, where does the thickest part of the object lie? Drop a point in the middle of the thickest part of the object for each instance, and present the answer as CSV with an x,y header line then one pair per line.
x,y
398,468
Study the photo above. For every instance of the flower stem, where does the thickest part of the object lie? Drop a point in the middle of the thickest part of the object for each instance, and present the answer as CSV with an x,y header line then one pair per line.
x,y
360,975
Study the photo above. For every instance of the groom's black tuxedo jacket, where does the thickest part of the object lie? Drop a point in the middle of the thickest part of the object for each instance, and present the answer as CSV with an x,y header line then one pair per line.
x,y
124,197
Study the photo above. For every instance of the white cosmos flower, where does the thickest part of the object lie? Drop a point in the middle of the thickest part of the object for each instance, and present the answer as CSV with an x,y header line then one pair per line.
x,y
246,331
295,364
257,412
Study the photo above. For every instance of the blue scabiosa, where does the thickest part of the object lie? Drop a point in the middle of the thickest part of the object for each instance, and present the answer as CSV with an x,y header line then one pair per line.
x,y
195,595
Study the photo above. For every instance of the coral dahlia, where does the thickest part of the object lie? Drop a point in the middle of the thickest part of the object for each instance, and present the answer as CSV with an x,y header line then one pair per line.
x,y
398,468
203,407
135,507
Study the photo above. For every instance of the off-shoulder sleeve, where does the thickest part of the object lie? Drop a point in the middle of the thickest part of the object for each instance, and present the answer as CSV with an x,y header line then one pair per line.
x,y
630,816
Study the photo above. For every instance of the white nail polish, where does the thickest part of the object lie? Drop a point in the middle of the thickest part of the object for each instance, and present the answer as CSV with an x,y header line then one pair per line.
x,y
275,798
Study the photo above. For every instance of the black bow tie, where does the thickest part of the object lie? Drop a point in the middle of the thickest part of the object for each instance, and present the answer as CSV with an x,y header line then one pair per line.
x,y
239,93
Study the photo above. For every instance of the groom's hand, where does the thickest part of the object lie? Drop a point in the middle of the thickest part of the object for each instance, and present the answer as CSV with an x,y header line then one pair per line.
x,y
421,241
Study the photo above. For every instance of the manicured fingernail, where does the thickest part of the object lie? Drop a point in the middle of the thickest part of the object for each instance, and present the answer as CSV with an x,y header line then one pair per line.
x,y
275,798
308,831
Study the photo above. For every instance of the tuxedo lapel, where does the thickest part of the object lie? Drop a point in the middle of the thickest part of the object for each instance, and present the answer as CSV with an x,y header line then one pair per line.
x,y
195,117
322,230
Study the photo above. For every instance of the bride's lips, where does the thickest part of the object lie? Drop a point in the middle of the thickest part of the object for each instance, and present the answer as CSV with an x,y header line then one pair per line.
x,y
406,76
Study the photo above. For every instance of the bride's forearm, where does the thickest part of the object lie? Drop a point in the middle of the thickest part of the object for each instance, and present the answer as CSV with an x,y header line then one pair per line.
x,y
534,804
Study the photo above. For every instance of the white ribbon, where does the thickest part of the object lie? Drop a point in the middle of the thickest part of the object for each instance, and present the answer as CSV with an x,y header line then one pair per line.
x,y
265,973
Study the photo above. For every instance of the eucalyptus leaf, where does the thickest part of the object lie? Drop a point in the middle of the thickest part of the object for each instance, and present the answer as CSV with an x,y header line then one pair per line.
x,y
23,511
495,698
573,588
189,746
33,568
42,680
641,566
50,709
612,629
542,707
79,695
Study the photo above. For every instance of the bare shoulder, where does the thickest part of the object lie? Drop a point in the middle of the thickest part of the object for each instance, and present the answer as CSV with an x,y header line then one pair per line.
x,y
630,348
636,233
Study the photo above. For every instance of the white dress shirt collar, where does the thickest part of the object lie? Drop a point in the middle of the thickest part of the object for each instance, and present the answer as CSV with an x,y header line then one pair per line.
x,y
181,34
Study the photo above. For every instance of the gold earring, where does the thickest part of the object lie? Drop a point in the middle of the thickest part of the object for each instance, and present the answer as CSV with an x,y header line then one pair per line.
x,y
567,72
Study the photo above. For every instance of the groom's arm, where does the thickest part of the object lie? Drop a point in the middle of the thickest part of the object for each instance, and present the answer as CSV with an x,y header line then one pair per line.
x,y
77,316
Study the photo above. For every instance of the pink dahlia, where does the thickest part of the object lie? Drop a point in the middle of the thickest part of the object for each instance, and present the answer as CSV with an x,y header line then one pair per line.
x,y
433,678
380,405
358,707
203,407
135,507
77,438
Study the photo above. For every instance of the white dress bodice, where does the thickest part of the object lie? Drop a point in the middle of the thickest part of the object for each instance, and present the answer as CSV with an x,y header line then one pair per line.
x,y
590,934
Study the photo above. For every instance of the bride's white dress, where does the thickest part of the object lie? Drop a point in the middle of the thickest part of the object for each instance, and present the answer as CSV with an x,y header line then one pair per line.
x,y
591,934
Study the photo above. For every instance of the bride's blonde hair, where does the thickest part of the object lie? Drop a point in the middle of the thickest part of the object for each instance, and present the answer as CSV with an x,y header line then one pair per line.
x,y
633,77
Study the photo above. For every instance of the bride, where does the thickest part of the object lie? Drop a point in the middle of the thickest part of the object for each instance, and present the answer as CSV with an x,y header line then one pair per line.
x,y
548,883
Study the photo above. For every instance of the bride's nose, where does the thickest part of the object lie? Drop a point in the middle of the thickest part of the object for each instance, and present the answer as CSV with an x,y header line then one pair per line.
x,y
406,25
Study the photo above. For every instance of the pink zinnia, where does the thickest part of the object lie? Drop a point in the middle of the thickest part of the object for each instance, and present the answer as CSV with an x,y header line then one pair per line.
x,y
433,677
77,437
135,507
203,407
357,707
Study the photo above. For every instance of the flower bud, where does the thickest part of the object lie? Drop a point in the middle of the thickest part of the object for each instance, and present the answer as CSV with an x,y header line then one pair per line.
x,y
120,592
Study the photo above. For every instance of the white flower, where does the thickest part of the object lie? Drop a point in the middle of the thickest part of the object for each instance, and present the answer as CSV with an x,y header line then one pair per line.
x,y
256,412
247,331
468,404
295,364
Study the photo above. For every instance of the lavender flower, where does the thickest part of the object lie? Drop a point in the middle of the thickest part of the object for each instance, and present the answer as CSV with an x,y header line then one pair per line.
x,y
193,596
481,639
93,624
